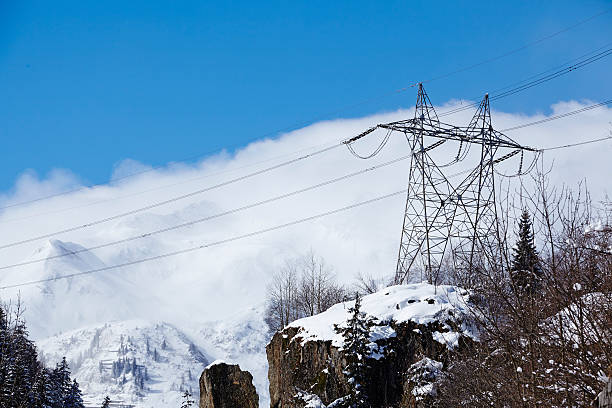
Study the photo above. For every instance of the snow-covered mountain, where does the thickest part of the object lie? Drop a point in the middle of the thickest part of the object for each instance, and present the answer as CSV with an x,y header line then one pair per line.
x,y
112,327
150,364
138,362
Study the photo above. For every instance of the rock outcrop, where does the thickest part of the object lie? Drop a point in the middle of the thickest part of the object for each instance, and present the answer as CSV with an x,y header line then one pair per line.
x,y
407,354
227,386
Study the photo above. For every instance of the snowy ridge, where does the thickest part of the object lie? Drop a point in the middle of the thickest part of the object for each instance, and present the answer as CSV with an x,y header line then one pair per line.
x,y
95,354
55,306
421,303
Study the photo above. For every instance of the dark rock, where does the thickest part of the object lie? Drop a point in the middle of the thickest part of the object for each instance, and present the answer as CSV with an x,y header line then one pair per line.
x,y
316,367
227,386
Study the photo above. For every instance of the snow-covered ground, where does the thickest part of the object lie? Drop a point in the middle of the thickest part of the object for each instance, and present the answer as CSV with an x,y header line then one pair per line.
x,y
421,303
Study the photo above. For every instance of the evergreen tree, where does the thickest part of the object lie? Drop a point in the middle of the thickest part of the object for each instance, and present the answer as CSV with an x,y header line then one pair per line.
x,y
525,270
106,402
187,400
61,384
24,382
356,334
41,389
73,399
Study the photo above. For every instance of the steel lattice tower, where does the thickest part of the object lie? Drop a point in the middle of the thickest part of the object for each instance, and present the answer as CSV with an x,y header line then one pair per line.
x,y
443,220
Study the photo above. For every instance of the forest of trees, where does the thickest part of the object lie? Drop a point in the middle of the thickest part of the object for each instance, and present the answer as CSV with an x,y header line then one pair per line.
x,y
24,381
544,311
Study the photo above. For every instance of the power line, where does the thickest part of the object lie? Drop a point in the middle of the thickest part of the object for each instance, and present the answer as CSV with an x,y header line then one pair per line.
x,y
214,216
247,176
208,175
577,144
341,109
530,84
563,115
174,199
209,245
514,51
575,64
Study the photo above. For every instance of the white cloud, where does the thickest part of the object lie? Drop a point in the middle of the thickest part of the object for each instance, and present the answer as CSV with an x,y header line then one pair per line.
x,y
203,283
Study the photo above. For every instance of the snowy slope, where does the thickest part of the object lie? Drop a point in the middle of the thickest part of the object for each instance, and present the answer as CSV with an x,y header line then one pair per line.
x,y
139,362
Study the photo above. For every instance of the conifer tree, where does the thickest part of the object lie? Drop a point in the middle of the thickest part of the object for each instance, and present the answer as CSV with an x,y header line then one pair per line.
x,y
73,399
525,270
187,400
106,402
24,382
356,334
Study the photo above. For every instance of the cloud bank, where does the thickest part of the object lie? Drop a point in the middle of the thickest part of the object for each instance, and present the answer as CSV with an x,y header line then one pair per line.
x,y
216,281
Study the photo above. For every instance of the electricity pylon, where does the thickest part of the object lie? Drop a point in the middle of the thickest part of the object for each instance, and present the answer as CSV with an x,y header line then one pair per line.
x,y
442,219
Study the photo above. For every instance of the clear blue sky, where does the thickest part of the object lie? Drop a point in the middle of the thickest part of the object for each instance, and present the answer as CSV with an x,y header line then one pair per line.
x,y
86,84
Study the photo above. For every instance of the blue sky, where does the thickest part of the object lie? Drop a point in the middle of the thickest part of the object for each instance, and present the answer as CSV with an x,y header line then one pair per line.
x,y
88,84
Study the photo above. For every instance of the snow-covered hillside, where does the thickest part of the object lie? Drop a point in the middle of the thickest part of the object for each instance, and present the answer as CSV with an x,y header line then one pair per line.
x,y
139,362
150,364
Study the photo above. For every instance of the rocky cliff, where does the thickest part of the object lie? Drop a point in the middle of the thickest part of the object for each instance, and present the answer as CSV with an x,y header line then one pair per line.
x,y
227,386
418,327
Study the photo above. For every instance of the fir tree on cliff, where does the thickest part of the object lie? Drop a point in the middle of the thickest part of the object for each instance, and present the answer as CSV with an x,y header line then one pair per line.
x,y
356,334
525,270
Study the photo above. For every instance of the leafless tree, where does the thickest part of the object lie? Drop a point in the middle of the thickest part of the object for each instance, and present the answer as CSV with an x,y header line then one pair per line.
x,y
550,347
305,286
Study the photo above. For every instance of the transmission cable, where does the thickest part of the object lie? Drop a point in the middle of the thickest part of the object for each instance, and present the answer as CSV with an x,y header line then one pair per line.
x,y
214,216
209,245
567,69
533,83
137,193
247,176
576,144
563,115
514,51
171,200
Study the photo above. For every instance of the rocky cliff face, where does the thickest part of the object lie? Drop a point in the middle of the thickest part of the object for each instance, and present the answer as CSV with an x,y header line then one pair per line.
x,y
416,334
227,386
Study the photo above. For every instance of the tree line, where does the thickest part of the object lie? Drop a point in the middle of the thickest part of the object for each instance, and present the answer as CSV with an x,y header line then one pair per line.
x,y
24,380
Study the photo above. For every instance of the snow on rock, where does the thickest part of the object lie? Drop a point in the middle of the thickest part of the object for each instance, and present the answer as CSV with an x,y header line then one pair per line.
x,y
214,363
142,363
421,303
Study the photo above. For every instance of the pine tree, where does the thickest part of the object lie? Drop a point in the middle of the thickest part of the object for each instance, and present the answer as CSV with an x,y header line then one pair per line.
x,y
106,402
356,334
187,400
525,270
